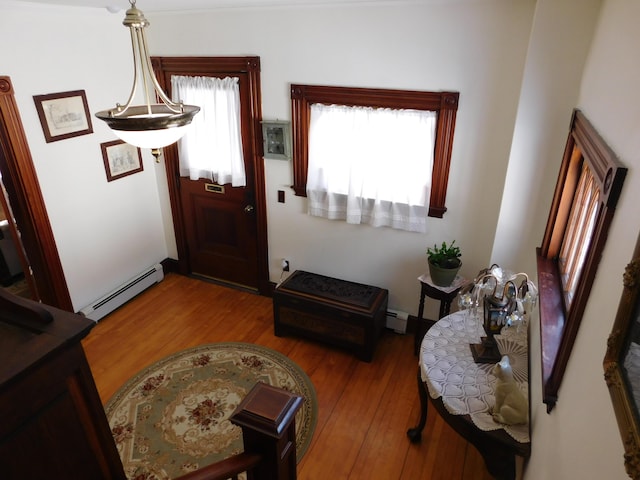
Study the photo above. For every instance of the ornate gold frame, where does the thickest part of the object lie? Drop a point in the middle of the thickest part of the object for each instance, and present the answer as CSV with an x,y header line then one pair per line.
x,y
617,344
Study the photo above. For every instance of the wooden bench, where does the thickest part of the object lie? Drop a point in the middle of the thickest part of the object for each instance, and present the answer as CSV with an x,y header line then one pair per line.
x,y
341,313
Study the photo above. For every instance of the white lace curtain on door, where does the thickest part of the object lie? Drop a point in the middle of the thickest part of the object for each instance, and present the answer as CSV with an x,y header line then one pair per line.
x,y
212,148
371,165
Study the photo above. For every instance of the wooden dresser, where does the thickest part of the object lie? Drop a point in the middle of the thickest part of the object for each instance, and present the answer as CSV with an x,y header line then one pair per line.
x,y
52,422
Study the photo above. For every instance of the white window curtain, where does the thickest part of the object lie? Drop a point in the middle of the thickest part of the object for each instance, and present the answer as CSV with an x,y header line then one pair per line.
x,y
370,165
212,148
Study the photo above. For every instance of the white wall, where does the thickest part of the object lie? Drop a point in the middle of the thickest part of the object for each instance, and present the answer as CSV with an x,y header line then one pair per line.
x,y
477,48
106,232
558,47
580,438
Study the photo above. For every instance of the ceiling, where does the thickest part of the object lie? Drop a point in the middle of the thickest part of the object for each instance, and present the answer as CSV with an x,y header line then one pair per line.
x,y
177,5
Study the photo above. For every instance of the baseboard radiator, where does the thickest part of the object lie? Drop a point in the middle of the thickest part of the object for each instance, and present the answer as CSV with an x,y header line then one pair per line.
x,y
123,294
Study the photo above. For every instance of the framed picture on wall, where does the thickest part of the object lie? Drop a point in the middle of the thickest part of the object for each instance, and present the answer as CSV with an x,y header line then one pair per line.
x,y
63,115
276,139
120,159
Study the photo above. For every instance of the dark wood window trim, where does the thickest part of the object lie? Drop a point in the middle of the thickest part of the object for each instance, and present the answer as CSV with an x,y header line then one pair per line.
x,y
27,204
559,324
444,103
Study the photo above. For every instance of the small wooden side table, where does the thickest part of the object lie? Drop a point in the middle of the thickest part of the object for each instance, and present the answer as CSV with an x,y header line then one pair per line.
x,y
444,294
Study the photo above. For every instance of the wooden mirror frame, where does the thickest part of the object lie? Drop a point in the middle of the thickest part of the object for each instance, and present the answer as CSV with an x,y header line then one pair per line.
x,y
614,374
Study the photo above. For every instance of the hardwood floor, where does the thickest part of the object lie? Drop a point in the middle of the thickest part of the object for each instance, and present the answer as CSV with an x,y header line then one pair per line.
x,y
365,409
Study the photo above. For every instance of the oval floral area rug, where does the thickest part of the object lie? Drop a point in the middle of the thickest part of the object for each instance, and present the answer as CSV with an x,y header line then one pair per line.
x,y
172,417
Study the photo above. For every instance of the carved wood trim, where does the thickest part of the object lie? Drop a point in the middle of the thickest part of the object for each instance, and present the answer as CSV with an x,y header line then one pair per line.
x,y
445,103
21,182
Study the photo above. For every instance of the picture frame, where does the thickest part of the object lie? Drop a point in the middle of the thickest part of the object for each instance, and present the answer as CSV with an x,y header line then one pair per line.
x,y
120,159
63,115
622,361
276,139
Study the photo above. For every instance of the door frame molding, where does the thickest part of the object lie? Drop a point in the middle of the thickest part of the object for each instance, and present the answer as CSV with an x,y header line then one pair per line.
x,y
27,204
250,65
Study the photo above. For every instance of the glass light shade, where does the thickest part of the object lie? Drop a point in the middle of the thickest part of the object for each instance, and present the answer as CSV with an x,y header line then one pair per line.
x,y
151,138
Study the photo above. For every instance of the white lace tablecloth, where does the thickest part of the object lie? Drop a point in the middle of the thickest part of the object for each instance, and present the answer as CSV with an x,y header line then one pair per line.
x,y
457,282
467,387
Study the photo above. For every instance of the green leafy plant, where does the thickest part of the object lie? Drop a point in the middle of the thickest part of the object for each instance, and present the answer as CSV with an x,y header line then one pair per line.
x,y
444,256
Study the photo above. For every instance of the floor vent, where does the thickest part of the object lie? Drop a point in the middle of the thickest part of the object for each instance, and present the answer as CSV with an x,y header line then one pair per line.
x,y
123,294
397,321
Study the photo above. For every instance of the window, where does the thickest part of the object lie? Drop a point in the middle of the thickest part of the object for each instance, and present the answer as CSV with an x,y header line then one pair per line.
x,y
212,147
444,104
579,231
370,165
584,202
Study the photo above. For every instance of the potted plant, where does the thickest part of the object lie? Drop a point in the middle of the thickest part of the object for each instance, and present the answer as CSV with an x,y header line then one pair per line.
x,y
444,263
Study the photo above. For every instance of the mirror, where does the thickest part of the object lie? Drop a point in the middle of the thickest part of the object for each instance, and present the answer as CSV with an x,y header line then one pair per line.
x,y
622,365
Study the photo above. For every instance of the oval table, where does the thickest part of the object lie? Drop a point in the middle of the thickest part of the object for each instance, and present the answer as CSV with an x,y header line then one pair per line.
x,y
462,391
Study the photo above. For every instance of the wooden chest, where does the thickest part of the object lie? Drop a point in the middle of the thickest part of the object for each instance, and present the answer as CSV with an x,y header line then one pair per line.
x,y
341,313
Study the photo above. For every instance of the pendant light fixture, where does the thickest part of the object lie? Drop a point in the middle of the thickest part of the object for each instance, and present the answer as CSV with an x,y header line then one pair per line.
x,y
151,125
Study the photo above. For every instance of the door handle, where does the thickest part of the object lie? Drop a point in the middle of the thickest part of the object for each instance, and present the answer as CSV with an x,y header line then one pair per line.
x,y
248,209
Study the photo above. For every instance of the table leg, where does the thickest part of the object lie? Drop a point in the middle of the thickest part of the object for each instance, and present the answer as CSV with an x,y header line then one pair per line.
x,y
417,339
445,307
415,433
498,456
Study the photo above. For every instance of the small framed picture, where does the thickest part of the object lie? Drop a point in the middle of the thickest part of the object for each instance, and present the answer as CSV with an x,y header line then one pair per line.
x,y
120,159
276,139
63,115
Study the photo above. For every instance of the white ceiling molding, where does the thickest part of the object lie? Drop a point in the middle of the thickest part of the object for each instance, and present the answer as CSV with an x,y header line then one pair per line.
x,y
184,5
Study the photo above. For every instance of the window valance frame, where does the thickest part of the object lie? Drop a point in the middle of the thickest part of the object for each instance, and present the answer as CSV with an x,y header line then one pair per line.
x,y
444,103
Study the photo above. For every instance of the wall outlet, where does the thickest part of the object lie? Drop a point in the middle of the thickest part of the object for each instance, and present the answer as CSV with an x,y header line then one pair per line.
x,y
285,265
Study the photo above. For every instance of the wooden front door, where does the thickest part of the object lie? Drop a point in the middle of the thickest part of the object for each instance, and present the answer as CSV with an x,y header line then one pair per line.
x,y
220,226
220,229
